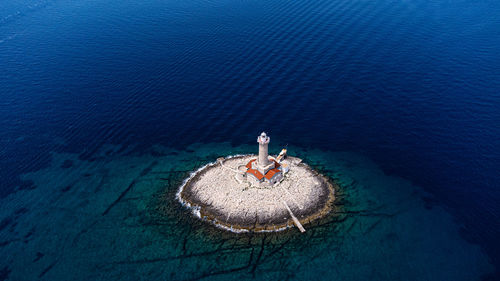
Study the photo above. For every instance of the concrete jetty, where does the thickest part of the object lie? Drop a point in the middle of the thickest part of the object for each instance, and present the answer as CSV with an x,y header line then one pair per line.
x,y
294,218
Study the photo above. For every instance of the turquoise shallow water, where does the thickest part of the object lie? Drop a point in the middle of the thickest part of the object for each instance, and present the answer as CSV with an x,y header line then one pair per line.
x,y
116,217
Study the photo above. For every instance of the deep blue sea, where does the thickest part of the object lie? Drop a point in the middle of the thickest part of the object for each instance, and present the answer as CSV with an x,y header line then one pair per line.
x,y
107,105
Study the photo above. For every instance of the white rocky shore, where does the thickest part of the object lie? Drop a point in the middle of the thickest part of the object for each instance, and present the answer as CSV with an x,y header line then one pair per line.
x,y
217,193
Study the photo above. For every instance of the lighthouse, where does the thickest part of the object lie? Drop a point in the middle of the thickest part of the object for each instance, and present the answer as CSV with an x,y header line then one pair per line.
x,y
264,170
263,164
263,141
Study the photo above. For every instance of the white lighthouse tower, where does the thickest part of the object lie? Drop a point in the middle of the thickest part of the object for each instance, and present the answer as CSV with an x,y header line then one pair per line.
x,y
263,163
263,141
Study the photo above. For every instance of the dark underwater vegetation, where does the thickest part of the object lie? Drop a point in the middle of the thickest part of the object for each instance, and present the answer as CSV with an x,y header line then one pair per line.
x,y
107,106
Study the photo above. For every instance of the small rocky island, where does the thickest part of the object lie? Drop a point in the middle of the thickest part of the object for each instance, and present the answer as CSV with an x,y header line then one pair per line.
x,y
257,193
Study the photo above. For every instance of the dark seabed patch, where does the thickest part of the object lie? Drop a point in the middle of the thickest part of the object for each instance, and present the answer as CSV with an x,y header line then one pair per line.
x,y
4,273
67,164
26,185
132,227
38,256
5,222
